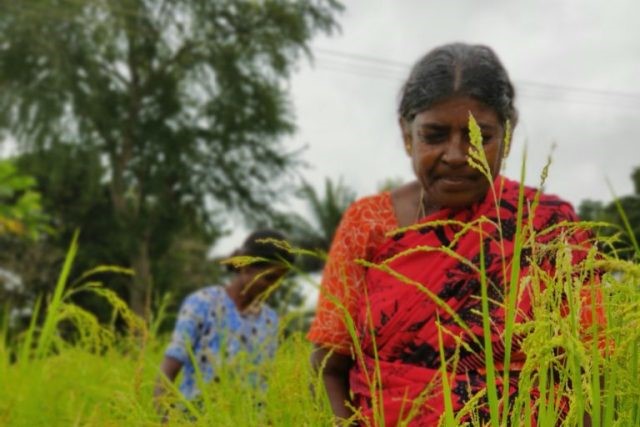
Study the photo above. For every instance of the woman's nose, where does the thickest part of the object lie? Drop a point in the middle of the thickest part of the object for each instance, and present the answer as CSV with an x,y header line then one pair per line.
x,y
456,151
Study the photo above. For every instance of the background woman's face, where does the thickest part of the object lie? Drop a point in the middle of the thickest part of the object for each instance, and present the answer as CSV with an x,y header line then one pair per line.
x,y
260,279
438,143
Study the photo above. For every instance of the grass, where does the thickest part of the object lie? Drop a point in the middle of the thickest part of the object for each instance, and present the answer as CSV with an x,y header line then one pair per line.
x,y
105,378
102,377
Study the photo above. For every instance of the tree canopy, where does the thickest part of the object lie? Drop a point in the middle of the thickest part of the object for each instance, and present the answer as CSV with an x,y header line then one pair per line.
x,y
180,105
624,213
325,211
20,205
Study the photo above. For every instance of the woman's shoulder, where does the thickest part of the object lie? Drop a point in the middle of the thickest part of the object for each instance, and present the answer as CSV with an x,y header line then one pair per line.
x,y
206,296
382,199
364,225
372,209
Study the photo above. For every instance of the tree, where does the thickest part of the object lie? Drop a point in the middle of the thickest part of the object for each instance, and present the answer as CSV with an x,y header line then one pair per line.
x,y
630,205
182,102
22,222
20,208
635,177
313,232
326,210
391,183
590,210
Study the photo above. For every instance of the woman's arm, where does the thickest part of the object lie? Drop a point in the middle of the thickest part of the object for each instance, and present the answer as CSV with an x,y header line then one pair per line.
x,y
169,368
335,375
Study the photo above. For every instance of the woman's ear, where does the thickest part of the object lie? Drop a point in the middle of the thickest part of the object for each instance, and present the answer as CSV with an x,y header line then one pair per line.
x,y
405,129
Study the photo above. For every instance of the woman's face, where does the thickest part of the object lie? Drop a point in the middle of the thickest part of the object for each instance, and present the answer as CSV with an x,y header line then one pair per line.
x,y
438,142
258,280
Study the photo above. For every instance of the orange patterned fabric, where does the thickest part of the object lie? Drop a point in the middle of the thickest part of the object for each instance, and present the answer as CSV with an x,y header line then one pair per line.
x,y
362,229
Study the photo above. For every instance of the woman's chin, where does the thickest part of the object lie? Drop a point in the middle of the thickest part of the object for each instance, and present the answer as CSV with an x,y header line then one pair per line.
x,y
457,201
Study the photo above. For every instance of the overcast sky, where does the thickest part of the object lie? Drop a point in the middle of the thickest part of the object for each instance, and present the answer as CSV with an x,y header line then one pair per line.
x,y
575,63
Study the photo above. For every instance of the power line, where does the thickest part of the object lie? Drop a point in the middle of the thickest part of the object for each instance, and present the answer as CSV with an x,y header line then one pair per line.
x,y
349,59
528,93
366,58
340,68
631,95
592,102
359,69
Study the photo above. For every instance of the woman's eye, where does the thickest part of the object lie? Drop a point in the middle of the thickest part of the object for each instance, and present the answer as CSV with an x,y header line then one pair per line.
x,y
434,138
486,139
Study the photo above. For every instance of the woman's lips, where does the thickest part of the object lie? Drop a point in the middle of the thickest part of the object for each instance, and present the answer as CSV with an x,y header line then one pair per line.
x,y
456,182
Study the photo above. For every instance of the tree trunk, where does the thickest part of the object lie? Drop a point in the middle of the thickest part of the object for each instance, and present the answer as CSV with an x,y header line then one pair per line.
x,y
140,296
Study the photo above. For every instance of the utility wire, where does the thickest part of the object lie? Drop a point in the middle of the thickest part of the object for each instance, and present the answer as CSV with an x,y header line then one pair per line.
x,y
525,92
380,61
371,66
329,63
613,93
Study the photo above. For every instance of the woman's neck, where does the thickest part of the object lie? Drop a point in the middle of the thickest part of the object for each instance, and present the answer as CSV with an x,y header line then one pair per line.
x,y
409,204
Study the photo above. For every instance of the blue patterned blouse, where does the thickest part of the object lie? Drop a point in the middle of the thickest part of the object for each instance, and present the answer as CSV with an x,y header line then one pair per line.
x,y
210,322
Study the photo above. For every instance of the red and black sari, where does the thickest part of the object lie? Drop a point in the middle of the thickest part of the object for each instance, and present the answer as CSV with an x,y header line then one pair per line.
x,y
397,320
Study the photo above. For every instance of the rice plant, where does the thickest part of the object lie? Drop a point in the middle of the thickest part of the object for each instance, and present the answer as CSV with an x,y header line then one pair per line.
x,y
99,376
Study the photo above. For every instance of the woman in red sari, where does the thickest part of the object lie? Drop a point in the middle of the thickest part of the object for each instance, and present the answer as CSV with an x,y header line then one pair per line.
x,y
406,286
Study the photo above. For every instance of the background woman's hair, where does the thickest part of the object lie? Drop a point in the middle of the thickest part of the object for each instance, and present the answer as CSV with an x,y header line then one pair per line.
x,y
255,246
459,69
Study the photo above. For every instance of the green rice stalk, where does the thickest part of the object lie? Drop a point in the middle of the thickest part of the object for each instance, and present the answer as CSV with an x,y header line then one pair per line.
x,y
26,349
160,314
510,310
446,388
52,314
353,334
596,369
564,265
100,270
610,374
5,351
507,140
376,386
488,346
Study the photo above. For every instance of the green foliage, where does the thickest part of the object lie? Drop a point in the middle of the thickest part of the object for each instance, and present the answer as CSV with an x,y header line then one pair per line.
x,y
311,236
624,214
635,177
591,210
316,233
22,224
98,376
70,368
389,184
180,105
20,204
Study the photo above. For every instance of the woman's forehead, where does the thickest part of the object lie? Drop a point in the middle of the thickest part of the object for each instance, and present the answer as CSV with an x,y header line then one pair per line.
x,y
456,108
